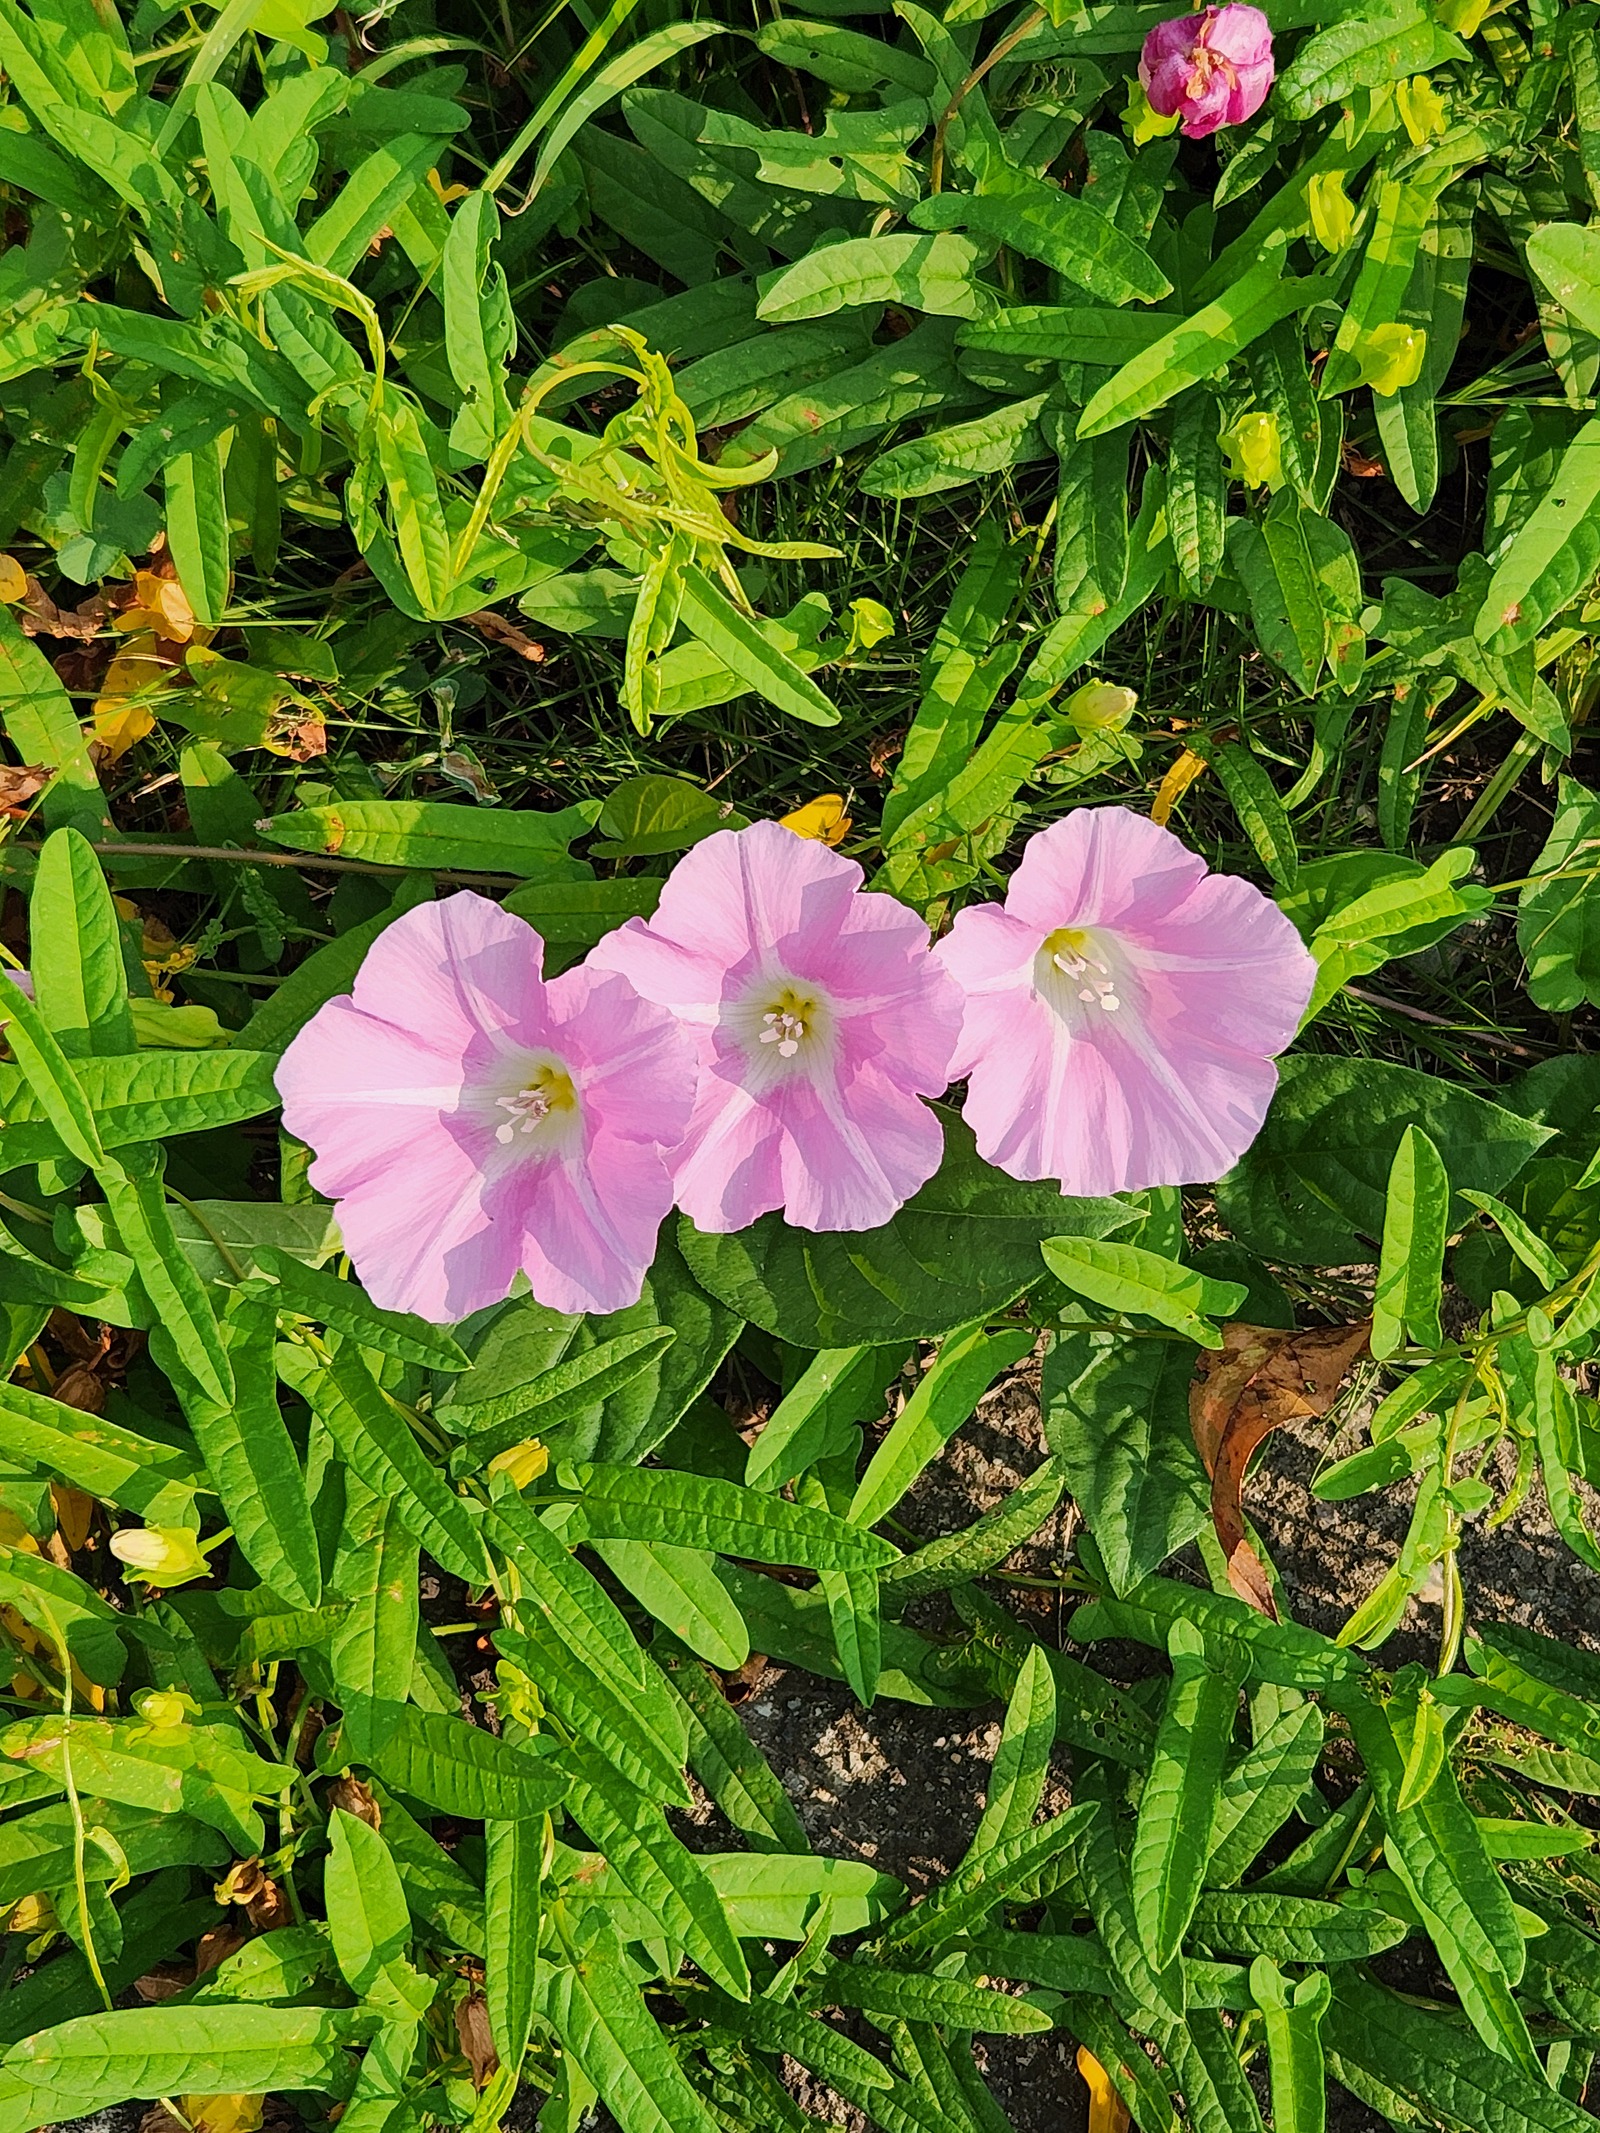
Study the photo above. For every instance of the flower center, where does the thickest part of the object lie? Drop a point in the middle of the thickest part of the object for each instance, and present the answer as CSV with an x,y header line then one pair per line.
x,y
548,1090
790,1021
1083,960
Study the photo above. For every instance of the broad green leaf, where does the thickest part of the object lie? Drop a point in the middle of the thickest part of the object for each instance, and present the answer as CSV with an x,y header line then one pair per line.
x,y
1411,1260
1129,1279
699,1511
1566,258
838,1386
1116,1418
434,833
1104,1890
148,2052
600,2017
1180,1796
1189,352
1060,229
253,1467
1558,912
186,1329
911,377
374,1435
42,725
48,1072
943,459
197,527
513,1874
1069,333
944,1398
500,1420
198,1771
1293,1929
306,1293
895,1995
1552,556
76,951
1363,51
108,1462
679,1586
962,1248
1261,1790
142,1096
1197,489
1285,1653
645,1856
1022,1760
373,1651
1291,2015
928,273
461,1770
739,642
368,1921
1312,1188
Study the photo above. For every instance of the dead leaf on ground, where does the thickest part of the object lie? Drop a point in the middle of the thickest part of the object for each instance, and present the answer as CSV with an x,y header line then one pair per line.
x,y
499,629
41,617
1260,1378
164,1982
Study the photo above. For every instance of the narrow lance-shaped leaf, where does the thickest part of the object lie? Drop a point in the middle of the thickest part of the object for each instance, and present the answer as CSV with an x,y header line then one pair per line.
x,y
1411,1260
1179,1801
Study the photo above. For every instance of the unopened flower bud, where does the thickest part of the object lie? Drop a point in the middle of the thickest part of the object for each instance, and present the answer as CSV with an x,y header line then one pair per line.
x,y
160,1555
523,1462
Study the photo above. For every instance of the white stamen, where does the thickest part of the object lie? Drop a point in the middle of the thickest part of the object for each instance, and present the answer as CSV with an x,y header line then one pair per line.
x,y
1100,988
784,1030
527,1108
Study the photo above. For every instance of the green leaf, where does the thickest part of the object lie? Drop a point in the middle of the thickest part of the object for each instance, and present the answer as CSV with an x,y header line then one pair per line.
x,y
647,815
837,1387
1059,229
197,527
1142,1284
779,2026
1312,1189
600,2017
1566,258
943,459
679,1586
435,833
1293,1929
373,1651
368,1921
1180,1796
252,1464
75,947
1285,1653
944,1398
895,1995
699,1511
962,1248
436,1757
956,1557
1558,912
645,1856
1552,556
1261,812
934,274
187,1329
496,1422
513,1878
1291,2015
1438,2068
148,2052
1261,1790
1022,1760
110,1463
1411,1261
375,1437
306,1293
141,1096
1116,1418
981,1884
1362,51
1190,352
739,642
48,1073
42,725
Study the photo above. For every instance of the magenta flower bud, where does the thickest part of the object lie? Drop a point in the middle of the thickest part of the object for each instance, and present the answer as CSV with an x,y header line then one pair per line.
x,y
1212,69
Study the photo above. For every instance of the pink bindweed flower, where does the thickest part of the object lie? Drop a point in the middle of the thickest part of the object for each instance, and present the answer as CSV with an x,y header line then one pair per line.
x,y
1212,69
822,1021
1124,1006
470,1118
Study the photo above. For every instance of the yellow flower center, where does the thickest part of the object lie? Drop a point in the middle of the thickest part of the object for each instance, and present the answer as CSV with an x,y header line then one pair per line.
x,y
789,1021
1081,957
547,1090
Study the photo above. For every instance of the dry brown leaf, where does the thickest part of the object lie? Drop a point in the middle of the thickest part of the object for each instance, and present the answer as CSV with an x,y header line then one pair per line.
x,y
472,2027
164,1982
40,616
350,1794
499,629
19,787
1261,1378
214,1948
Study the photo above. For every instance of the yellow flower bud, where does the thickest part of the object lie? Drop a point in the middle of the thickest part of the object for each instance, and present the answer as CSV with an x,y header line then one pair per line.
x,y
1421,108
1332,216
34,1914
1392,357
165,1708
1100,707
1255,450
523,1462
160,1555
223,2114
